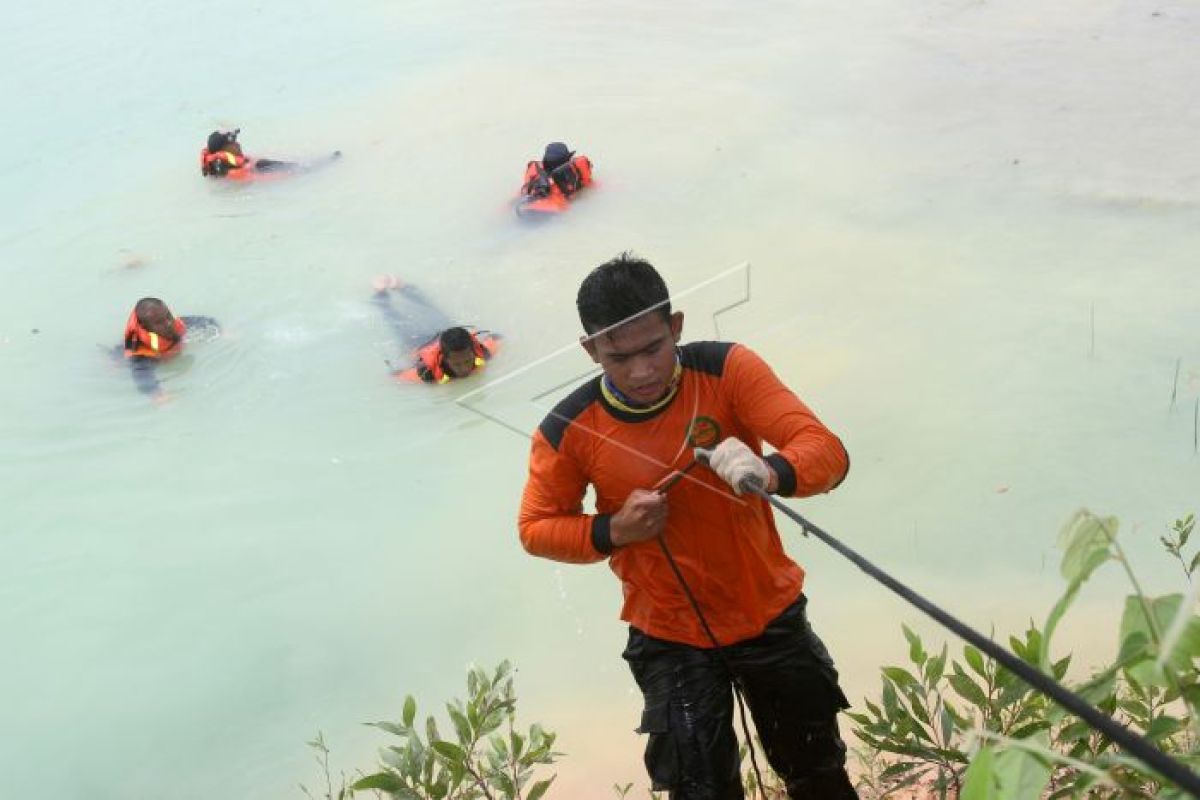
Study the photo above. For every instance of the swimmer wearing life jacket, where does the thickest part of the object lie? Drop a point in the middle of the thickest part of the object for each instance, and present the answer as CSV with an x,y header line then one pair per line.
x,y
549,184
154,334
222,157
441,351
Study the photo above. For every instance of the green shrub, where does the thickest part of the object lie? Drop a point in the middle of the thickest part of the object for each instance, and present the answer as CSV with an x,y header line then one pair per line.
x,y
487,757
972,729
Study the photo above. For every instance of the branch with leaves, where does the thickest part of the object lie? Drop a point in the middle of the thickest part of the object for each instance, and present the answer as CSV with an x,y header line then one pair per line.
x,y
480,763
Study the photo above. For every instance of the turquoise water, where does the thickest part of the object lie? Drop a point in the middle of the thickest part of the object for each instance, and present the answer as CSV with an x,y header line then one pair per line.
x,y
972,238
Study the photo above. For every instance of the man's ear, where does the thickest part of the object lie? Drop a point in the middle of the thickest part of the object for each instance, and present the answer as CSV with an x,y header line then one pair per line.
x,y
676,326
589,344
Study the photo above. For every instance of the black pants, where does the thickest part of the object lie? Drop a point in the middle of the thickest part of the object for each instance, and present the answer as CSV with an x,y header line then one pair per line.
x,y
272,165
417,322
790,686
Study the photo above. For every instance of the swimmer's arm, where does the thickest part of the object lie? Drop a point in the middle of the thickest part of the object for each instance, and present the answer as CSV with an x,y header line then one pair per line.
x,y
206,324
551,522
144,377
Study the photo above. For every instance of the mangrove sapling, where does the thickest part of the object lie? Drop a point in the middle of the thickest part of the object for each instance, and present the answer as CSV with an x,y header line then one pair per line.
x,y
321,754
1182,530
934,720
481,762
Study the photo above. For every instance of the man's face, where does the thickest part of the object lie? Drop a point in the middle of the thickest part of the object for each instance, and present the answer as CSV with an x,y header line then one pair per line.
x,y
160,321
639,356
459,363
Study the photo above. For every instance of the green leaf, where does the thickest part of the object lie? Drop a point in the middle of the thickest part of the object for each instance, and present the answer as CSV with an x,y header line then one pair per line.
x,y
975,660
390,727
1184,527
890,702
450,751
1022,775
461,727
1086,541
1012,692
980,779
935,666
383,781
505,783
493,720
1026,731
947,721
410,711
1163,727
1162,612
539,788
916,653
967,689
919,711
899,768
518,744
901,677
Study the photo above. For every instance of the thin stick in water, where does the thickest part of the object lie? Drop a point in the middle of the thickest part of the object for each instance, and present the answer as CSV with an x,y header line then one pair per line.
x,y
1175,384
1092,352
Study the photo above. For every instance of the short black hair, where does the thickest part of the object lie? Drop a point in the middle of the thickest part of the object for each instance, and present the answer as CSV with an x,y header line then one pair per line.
x,y
217,140
148,306
620,289
454,340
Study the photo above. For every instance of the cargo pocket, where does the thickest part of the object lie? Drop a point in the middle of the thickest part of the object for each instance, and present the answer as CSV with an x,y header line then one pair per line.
x,y
662,751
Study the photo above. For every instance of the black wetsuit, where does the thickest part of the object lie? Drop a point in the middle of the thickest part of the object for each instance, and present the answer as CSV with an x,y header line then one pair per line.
x,y
271,165
417,325
143,368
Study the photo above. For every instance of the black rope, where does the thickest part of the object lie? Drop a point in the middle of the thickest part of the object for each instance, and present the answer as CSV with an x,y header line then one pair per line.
x,y
719,649
1133,743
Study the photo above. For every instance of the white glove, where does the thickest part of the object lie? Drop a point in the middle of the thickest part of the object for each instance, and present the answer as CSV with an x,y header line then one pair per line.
x,y
737,465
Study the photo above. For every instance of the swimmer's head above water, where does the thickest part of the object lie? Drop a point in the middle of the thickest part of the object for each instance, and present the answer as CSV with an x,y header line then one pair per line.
x,y
458,352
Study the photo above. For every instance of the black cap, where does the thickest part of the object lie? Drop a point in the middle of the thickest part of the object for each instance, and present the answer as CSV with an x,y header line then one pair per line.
x,y
217,140
556,155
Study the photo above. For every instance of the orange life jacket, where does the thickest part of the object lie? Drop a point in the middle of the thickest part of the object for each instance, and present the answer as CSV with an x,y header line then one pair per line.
x,y
222,163
142,343
429,356
564,180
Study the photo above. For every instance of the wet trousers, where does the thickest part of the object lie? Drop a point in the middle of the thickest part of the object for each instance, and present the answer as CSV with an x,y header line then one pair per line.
x,y
790,686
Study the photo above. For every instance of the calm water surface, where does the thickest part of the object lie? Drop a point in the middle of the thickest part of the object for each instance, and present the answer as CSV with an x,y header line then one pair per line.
x,y
972,237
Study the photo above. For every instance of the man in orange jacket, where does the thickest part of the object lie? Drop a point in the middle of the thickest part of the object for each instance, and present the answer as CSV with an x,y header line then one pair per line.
x,y
153,334
627,433
440,351
222,156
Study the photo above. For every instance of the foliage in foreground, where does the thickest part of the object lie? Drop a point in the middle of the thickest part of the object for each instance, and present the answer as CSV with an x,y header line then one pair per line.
x,y
972,730
487,758
945,728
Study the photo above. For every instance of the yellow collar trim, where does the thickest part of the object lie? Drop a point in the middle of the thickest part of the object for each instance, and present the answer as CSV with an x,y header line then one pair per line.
x,y
611,397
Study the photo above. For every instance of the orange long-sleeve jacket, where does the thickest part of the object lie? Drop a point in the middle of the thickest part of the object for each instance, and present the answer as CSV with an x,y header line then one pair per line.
x,y
727,547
